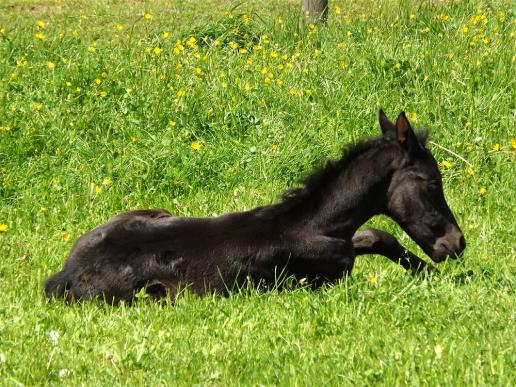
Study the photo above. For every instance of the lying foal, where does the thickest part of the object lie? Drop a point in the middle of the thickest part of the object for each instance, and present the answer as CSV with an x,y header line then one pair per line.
x,y
311,233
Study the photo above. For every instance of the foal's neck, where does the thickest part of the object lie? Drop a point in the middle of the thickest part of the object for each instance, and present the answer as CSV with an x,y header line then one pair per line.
x,y
357,193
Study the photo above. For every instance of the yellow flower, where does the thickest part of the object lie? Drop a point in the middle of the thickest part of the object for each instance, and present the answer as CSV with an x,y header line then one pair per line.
x,y
470,171
134,140
438,350
172,123
426,30
13,76
38,106
513,143
467,125
104,74
92,49
482,191
5,129
165,35
337,10
196,145
397,66
147,16
4,227
157,51
465,30
412,116
39,36
119,27
98,81
40,24
496,147
51,65
65,236
181,93
446,164
349,34
107,181
233,45
372,280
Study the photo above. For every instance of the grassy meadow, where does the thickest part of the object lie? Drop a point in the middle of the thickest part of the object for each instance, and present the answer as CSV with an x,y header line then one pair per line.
x,y
206,107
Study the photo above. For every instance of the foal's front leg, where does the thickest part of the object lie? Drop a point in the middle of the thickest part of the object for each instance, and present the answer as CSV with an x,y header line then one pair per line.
x,y
373,241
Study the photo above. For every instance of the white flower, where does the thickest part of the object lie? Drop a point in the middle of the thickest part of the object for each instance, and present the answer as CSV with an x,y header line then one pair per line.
x,y
54,336
64,373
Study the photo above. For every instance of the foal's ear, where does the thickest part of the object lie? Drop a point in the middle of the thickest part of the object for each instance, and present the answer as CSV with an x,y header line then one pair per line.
x,y
404,132
388,128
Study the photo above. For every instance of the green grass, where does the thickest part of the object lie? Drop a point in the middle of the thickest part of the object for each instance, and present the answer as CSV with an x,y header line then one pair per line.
x,y
75,151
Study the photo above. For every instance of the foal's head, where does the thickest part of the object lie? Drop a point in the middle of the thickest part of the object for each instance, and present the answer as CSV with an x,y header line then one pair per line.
x,y
415,197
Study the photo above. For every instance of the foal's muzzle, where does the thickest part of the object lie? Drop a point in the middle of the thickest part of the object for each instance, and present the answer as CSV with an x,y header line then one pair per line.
x,y
451,244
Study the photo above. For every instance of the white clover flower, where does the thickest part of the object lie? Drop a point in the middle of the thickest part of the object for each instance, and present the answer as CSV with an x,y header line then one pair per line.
x,y
54,336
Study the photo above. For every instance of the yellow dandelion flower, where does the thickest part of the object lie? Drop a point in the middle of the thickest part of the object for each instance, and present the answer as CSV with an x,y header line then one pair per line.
x,y
157,51
412,16
467,125
75,33
40,36
4,227
104,74
426,30
172,123
107,182
337,10
166,35
438,349
233,45
496,147
134,140
13,76
372,280
279,22
248,87
446,164
482,191
65,236
397,66
119,27
191,42
147,16
513,142
465,30
92,49
243,51
98,81
38,106
196,145
51,65
349,34
470,171
181,93
5,129
41,24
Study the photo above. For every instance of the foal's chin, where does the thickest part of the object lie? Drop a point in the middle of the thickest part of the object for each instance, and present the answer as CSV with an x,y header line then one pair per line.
x,y
440,255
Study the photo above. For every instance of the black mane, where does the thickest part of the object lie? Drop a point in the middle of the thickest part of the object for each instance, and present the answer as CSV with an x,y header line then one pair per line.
x,y
312,184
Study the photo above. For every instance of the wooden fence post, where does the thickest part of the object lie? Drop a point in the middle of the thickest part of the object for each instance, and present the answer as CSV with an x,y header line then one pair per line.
x,y
314,11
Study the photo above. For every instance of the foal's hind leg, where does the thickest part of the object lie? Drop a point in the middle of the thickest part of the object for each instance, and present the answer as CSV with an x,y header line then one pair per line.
x,y
373,241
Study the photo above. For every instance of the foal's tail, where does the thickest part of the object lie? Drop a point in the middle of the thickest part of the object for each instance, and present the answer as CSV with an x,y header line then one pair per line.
x,y
57,285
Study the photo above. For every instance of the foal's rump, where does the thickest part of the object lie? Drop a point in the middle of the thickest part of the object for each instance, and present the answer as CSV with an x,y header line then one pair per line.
x,y
117,259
